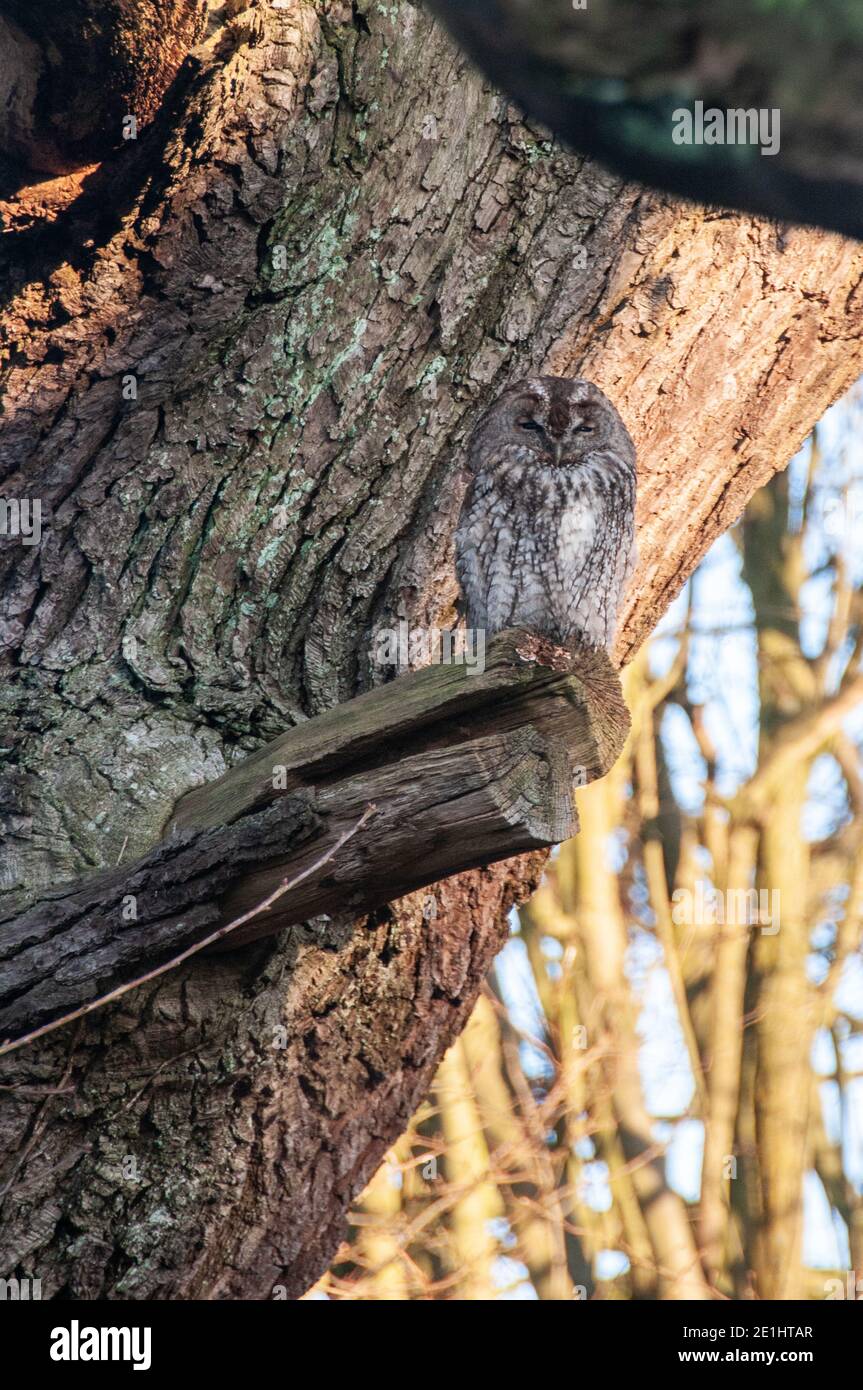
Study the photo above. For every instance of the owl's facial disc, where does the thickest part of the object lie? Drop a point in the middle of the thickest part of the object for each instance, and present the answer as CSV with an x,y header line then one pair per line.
x,y
558,432
571,428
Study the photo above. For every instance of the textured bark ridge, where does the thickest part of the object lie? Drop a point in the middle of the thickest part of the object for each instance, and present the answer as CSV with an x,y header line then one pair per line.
x,y
241,361
473,767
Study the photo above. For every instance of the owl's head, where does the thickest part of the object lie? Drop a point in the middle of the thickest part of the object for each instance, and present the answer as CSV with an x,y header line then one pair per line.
x,y
556,421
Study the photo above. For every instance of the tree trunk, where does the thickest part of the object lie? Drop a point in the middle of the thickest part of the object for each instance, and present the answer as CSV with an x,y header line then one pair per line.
x,y
245,351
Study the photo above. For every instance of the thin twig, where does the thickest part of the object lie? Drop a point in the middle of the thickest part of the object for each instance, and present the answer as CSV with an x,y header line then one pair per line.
x,y
168,1062
284,887
28,1092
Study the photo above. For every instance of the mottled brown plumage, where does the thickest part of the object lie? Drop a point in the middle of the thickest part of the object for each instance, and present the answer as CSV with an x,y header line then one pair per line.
x,y
545,540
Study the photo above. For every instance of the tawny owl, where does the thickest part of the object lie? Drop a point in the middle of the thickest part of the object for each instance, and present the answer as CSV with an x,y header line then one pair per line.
x,y
545,538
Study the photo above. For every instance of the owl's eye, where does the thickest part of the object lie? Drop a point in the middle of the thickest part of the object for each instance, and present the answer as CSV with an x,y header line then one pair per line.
x,y
584,429
530,425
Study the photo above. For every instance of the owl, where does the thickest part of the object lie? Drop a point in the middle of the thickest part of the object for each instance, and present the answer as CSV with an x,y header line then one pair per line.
x,y
545,540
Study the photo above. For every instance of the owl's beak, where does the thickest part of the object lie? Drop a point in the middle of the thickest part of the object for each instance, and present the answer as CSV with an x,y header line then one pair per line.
x,y
557,447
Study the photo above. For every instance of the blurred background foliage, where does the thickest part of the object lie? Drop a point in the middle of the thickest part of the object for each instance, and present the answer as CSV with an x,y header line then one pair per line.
x,y
660,1092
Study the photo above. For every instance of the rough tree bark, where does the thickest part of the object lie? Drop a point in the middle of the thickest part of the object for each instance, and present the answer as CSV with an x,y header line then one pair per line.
x,y
243,355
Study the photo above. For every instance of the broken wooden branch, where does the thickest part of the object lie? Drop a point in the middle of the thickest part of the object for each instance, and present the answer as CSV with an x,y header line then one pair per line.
x,y
464,768
201,945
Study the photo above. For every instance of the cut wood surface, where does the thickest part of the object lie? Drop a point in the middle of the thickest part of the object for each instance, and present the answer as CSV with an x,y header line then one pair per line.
x,y
463,768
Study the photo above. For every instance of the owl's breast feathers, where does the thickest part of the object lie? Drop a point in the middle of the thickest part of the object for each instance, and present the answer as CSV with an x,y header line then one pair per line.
x,y
548,548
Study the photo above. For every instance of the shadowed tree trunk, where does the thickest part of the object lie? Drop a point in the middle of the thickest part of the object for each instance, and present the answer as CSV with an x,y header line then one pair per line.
x,y
243,354
73,74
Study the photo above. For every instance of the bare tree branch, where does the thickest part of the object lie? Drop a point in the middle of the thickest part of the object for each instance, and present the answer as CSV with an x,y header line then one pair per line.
x,y
474,767
609,84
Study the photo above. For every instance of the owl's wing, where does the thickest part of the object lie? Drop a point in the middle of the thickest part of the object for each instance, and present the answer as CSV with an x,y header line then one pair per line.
x,y
470,568
627,552
629,557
